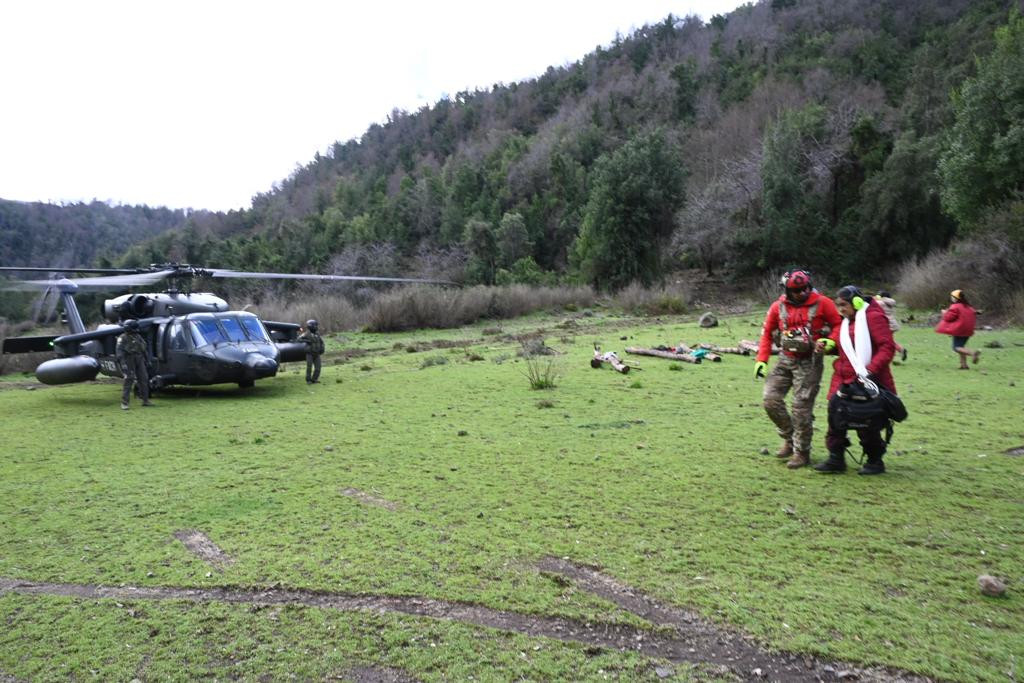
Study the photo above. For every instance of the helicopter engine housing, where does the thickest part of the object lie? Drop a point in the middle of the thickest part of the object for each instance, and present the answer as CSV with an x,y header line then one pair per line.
x,y
68,370
161,304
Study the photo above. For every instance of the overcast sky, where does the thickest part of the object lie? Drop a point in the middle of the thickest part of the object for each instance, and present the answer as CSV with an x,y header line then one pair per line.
x,y
202,104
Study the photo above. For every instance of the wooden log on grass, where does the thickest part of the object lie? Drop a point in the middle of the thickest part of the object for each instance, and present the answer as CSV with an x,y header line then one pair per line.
x,y
701,352
753,346
715,348
609,358
684,357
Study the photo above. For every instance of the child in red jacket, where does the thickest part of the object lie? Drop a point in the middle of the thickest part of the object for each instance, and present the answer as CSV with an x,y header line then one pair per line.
x,y
958,322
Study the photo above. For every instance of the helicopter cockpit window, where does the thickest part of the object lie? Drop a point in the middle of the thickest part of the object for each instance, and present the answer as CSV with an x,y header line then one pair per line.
x,y
176,337
205,331
254,329
233,328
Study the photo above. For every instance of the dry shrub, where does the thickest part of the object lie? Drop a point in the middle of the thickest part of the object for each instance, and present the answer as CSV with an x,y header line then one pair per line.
x,y
990,269
1015,308
422,307
334,313
667,300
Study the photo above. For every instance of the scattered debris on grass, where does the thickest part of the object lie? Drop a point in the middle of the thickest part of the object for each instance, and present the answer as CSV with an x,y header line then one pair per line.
x,y
376,674
200,545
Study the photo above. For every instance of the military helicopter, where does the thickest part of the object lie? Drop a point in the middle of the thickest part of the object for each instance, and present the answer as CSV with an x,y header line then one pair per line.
x,y
194,339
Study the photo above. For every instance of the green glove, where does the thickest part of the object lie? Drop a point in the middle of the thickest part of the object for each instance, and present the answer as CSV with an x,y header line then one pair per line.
x,y
760,368
830,344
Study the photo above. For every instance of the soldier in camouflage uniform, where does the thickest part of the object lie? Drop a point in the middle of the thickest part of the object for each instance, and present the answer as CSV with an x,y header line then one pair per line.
x,y
799,317
314,348
132,352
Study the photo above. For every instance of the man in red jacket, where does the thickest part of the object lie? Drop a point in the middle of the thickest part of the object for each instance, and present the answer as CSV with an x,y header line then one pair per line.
x,y
800,317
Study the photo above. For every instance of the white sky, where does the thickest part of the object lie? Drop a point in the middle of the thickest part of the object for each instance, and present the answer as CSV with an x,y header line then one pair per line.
x,y
204,103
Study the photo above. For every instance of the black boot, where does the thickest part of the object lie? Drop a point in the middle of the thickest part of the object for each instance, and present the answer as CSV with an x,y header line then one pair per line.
x,y
836,463
874,465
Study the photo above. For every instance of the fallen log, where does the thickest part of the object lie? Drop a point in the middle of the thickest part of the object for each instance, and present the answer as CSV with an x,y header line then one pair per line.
x,y
611,358
726,349
754,346
684,357
699,353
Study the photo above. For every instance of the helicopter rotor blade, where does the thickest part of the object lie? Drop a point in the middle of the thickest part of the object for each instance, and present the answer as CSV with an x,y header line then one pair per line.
x,y
97,271
223,273
103,282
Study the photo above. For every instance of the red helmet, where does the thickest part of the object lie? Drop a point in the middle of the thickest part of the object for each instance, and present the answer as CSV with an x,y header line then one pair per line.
x,y
797,280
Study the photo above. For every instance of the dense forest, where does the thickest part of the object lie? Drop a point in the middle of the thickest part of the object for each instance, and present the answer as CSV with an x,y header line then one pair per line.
x,y
848,136
80,234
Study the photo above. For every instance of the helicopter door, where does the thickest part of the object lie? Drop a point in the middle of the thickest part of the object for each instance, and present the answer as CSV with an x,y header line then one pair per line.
x,y
161,344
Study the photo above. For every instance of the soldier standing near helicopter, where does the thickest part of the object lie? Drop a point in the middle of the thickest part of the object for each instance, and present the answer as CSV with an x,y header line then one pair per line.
x,y
314,347
131,355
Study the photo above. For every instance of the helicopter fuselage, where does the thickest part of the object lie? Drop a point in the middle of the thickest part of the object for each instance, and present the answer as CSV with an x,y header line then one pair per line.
x,y
193,349
205,348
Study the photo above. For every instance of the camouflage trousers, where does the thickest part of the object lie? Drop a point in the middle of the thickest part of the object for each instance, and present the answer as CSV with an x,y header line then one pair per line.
x,y
312,367
803,376
133,366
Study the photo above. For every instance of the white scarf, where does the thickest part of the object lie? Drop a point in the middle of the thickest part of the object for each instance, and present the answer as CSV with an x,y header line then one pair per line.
x,y
859,352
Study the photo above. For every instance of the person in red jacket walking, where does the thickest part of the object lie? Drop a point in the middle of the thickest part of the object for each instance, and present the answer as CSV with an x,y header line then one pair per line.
x,y
958,322
870,340
800,317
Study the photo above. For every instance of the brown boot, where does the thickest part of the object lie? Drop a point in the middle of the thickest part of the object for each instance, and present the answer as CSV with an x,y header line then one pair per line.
x,y
785,450
799,459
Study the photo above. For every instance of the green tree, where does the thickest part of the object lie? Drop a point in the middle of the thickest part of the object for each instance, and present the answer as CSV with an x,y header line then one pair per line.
x,y
900,209
794,215
629,215
687,80
513,239
983,164
480,241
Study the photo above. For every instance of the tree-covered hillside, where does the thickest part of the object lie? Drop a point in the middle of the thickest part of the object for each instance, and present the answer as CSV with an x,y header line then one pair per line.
x,y
38,234
843,135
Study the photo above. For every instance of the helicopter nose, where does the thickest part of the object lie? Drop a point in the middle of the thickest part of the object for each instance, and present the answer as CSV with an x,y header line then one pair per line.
x,y
258,365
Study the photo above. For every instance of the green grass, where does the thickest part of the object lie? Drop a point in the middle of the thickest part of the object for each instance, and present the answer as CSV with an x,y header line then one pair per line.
x,y
655,477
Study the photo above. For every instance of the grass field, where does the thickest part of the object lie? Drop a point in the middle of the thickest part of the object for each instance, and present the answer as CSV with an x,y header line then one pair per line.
x,y
423,470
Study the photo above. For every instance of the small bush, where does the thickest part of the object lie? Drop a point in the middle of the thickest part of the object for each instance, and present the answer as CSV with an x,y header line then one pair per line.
x,y
433,360
542,373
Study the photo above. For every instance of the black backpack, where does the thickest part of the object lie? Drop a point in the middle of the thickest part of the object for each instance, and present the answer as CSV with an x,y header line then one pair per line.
x,y
855,406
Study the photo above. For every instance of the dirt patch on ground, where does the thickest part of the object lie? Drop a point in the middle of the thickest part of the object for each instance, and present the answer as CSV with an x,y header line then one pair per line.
x,y
1015,452
370,674
200,545
697,640
368,499
684,637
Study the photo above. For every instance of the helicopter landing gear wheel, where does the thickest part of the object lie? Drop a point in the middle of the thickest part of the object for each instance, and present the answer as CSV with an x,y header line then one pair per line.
x,y
246,384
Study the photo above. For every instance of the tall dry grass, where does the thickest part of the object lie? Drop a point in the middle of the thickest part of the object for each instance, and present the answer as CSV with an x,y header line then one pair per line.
x,y
989,269
666,300
334,313
435,307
